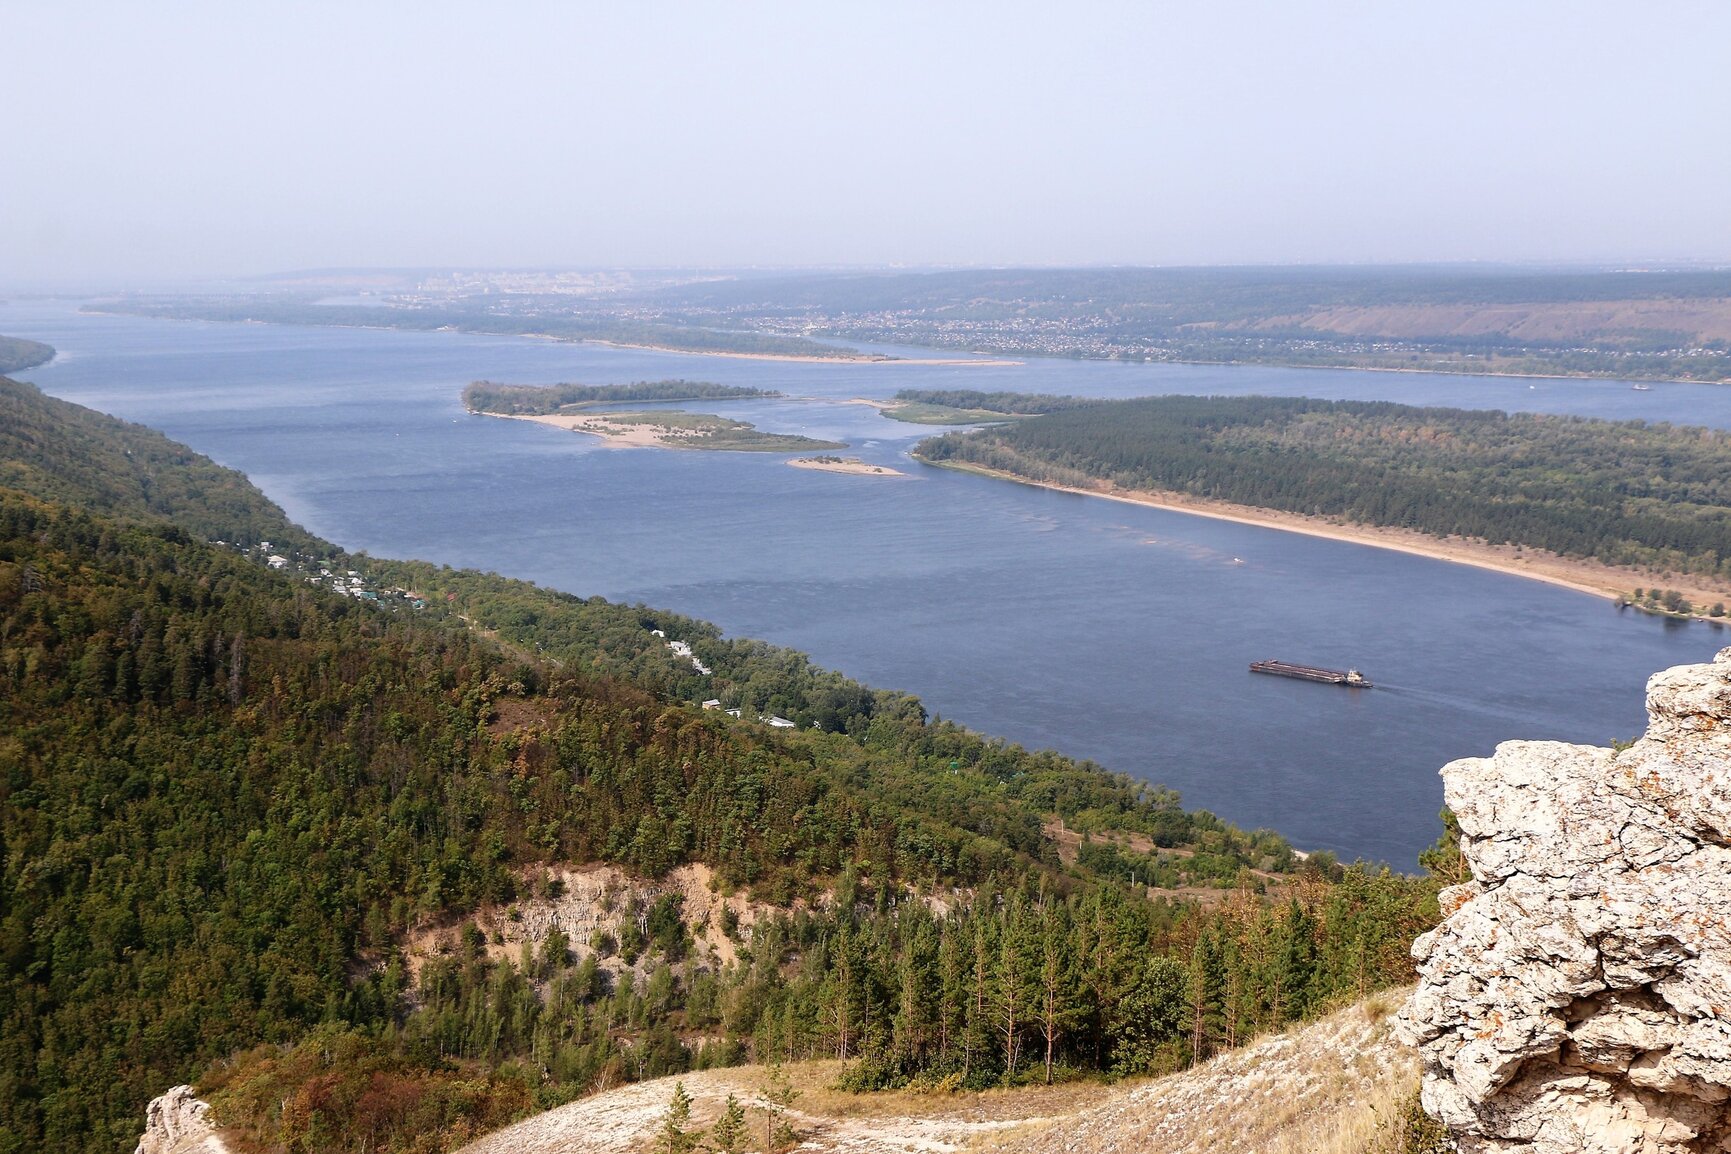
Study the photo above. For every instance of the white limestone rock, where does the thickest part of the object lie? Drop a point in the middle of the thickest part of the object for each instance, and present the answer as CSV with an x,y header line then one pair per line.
x,y
1576,998
178,1122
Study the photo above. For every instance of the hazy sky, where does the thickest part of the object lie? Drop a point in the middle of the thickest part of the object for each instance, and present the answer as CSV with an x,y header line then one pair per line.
x,y
190,139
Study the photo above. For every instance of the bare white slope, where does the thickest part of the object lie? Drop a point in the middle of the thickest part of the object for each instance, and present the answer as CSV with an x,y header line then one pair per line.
x,y
1325,1087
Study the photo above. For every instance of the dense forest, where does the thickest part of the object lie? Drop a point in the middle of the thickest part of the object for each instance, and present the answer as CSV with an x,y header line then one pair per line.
x,y
1018,404
1619,492
18,354
230,794
534,400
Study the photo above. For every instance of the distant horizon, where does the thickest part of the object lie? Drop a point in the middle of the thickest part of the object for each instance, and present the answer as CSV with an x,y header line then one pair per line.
x,y
208,141
237,282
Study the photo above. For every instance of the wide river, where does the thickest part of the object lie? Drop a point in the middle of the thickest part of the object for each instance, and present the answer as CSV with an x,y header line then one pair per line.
x,y
1103,630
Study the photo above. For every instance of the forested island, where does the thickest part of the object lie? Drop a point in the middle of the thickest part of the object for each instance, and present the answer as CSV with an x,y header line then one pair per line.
x,y
18,354
571,406
1631,498
677,429
236,788
974,407
535,400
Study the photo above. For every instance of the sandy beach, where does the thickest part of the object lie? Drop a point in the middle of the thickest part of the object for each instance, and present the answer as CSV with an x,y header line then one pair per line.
x,y
1609,581
616,434
851,465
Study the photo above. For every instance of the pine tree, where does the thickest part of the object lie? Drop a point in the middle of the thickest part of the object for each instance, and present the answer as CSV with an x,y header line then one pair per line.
x,y
673,1137
781,1095
1057,993
1207,992
728,1134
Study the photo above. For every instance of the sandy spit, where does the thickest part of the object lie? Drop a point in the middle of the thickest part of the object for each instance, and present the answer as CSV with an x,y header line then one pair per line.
x,y
1609,581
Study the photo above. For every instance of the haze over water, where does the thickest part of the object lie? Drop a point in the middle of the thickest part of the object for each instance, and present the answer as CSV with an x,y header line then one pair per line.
x,y
1103,630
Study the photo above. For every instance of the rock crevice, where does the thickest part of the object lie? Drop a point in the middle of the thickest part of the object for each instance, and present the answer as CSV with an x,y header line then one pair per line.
x,y
1577,997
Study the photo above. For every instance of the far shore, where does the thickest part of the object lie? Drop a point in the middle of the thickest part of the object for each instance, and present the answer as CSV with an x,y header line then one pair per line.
x,y
1591,577
798,358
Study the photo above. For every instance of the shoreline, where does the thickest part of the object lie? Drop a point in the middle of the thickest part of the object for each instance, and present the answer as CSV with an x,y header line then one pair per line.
x,y
1278,364
614,433
1589,577
797,358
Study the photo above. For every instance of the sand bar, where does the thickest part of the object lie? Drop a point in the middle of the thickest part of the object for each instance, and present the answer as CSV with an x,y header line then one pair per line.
x,y
1601,580
617,434
850,465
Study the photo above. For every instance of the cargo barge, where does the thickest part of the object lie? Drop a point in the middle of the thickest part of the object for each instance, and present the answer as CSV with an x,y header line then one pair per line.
x,y
1350,677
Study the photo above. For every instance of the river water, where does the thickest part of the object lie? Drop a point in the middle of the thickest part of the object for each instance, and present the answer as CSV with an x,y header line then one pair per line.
x,y
1100,629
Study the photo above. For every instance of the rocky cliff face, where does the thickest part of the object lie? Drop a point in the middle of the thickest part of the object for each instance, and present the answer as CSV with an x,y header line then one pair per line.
x,y
1577,997
178,1123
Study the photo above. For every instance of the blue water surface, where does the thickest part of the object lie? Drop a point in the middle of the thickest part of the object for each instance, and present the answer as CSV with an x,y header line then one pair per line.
x,y
1101,629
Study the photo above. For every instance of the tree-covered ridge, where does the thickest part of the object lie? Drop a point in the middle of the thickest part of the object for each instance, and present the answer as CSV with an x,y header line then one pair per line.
x,y
18,354
1622,493
1018,985
65,452
535,400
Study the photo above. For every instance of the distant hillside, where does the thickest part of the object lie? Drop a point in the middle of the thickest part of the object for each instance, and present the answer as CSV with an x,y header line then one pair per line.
x,y
233,796
17,354
1673,324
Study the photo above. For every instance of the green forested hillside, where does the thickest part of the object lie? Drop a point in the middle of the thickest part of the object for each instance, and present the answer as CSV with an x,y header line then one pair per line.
x,y
18,354
68,453
227,794
1620,492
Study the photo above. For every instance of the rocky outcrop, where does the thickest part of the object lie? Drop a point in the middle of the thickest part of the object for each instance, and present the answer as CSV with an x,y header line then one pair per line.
x,y
1577,997
178,1122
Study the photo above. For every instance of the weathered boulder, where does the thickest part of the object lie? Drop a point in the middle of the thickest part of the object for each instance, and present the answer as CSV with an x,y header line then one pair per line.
x,y
178,1122
1576,998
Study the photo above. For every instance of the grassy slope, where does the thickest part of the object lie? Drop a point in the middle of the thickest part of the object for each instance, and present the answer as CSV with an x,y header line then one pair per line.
x,y
1336,1086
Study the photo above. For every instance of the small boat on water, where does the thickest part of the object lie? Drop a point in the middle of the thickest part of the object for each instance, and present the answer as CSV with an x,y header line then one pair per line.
x,y
1642,388
1351,677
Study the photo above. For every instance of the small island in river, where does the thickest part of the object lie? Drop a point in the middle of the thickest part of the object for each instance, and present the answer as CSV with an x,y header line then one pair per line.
x,y
677,429
570,406
851,465
502,400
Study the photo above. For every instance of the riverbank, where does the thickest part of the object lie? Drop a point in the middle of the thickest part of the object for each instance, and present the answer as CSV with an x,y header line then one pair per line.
x,y
1609,581
804,359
